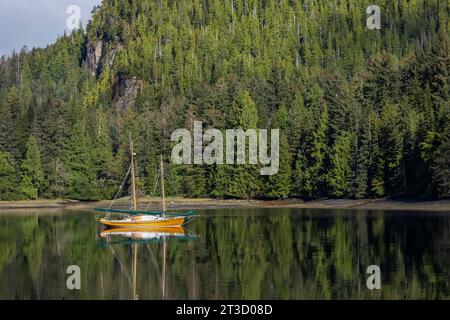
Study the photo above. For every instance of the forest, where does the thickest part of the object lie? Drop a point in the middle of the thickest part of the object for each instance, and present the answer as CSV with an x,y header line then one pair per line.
x,y
362,113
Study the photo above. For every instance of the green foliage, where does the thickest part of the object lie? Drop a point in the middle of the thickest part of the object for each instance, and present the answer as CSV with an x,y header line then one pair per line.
x,y
441,165
244,113
31,171
102,157
310,174
79,163
8,177
341,169
310,68
279,185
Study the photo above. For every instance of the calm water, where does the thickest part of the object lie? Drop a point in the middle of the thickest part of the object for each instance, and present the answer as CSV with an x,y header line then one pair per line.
x,y
230,254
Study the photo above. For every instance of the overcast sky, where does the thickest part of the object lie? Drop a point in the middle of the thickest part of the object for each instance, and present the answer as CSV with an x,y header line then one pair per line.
x,y
36,23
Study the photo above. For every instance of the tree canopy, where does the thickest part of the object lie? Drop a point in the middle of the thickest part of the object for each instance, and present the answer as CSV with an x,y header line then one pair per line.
x,y
362,113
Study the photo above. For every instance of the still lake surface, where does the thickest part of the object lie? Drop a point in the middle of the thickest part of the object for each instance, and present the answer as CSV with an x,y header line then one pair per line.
x,y
230,254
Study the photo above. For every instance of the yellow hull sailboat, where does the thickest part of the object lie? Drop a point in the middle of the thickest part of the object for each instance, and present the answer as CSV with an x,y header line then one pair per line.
x,y
144,222
144,219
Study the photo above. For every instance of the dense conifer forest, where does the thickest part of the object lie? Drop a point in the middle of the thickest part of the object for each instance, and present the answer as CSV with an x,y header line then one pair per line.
x,y
362,113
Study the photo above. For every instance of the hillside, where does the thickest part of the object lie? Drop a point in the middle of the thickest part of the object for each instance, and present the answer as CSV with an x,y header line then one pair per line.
x,y
363,113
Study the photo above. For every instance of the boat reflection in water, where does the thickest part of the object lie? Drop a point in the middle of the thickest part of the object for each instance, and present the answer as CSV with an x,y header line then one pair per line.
x,y
127,235
136,236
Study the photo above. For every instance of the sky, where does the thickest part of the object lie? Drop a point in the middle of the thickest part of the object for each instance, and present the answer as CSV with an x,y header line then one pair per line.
x,y
37,23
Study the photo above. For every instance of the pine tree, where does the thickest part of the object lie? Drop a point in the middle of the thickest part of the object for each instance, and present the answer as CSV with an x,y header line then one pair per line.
x,y
13,125
102,157
6,128
31,171
80,167
359,129
360,154
440,82
8,177
241,180
340,173
60,180
377,161
278,186
441,163
319,152
392,144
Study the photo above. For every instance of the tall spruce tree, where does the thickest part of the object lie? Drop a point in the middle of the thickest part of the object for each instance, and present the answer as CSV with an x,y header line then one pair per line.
x,y
278,186
31,171
339,175
441,163
8,177
82,184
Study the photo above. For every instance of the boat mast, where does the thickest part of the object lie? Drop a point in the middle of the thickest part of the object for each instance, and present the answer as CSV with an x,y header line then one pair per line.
x,y
164,269
163,198
135,296
162,186
133,183
133,180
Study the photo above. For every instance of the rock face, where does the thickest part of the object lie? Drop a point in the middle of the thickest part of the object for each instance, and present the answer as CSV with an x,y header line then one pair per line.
x,y
101,56
129,89
93,57
110,55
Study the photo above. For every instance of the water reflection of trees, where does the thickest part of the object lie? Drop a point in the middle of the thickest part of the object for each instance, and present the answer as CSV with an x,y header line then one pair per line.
x,y
251,255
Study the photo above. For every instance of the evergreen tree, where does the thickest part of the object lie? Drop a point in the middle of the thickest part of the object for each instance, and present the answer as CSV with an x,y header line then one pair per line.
x,y
441,165
241,180
341,168
278,186
317,156
392,144
440,76
31,171
102,157
78,161
377,162
8,177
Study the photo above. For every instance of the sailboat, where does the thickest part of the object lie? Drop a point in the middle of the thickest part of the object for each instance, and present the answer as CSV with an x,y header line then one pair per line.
x,y
145,219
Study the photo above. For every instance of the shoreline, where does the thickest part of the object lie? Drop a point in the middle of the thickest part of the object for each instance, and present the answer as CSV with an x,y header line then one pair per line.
x,y
207,203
